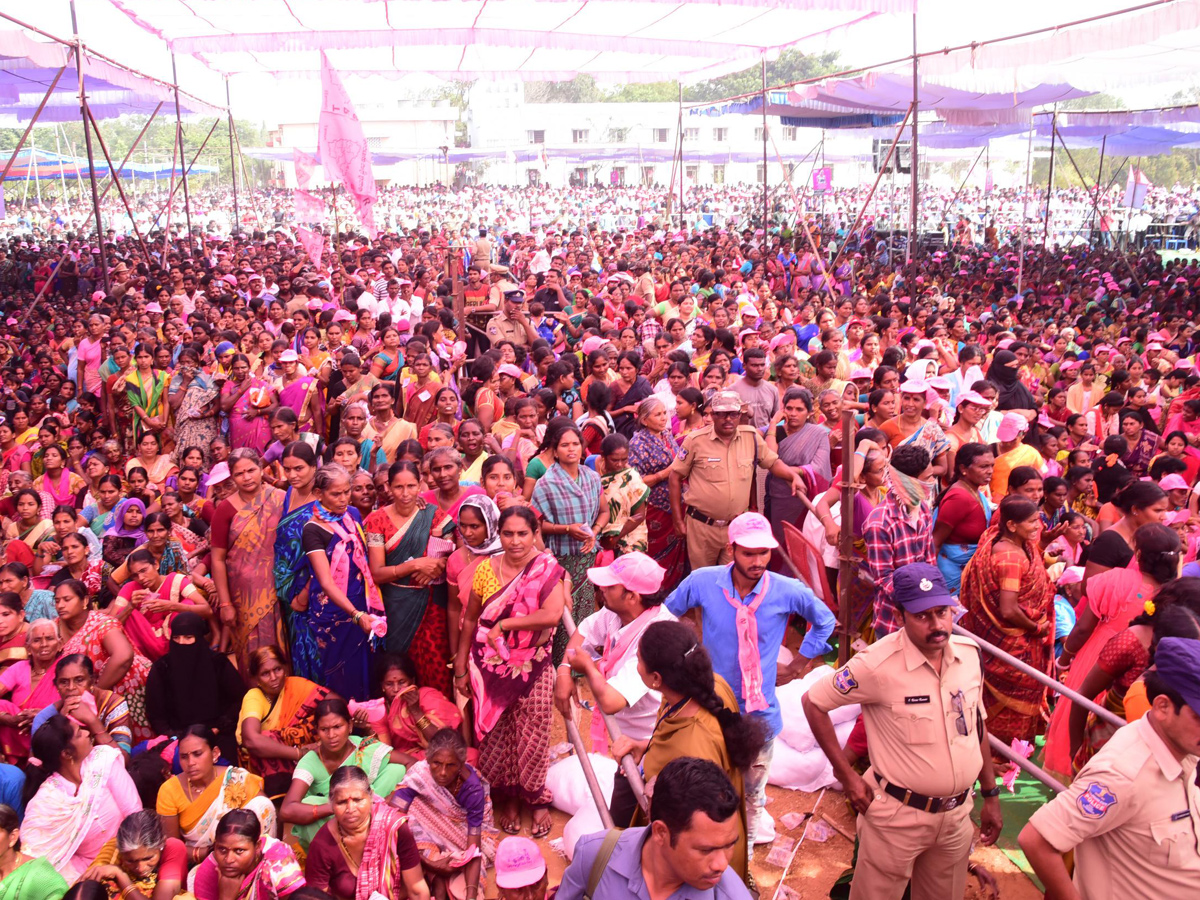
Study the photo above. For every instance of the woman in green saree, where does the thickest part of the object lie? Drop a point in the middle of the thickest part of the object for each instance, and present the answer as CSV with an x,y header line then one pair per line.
x,y
146,391
24,877
306,805
407,548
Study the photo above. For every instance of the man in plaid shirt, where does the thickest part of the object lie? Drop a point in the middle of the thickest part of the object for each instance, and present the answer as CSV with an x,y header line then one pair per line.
x,y
899,531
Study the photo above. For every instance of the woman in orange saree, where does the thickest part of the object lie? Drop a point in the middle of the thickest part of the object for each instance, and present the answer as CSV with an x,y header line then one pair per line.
x,y
243,542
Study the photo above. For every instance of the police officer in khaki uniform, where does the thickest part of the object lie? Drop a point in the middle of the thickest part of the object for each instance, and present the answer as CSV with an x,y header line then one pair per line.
x,y
1132,814
511,323
718,462
921,694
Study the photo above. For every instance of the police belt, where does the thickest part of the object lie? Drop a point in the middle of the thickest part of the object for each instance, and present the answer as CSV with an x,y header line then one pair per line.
x,y
707,520
920,801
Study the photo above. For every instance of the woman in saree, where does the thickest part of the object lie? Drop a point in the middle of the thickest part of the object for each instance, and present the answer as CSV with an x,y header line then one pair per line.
x,y
1110,601
149,601
28,878
123,534
243,536
245,863
421,395
246,400
355,387
29,684
503,664
14,456
445,470
652,449
366,847
698,717
341,605
1141,440
306,805
478,526
1126,656
146,391
800,443
963,512
99,637
407,548
567,498
194,397
1010,602
297,391
625,495
192,802
80,793
628,392
29,525
105,714
291,570
275,725
57,481
159,466
188,530
384,429
101,512
166,555
449,810
13,628
911,427
406,716
389,360
142,863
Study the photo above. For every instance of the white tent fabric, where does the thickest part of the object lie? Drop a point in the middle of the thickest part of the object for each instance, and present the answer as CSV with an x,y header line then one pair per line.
x,y
626,40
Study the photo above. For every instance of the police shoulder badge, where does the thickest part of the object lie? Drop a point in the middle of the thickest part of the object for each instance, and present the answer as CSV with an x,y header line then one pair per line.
x,y
843,681
1095,801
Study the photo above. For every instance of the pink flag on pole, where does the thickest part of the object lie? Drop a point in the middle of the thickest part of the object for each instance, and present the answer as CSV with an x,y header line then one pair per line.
x,y
309,207
1137,186
312,242
305,163
341,142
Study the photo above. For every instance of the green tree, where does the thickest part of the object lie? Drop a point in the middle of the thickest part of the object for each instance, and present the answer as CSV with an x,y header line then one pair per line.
x,y
580,89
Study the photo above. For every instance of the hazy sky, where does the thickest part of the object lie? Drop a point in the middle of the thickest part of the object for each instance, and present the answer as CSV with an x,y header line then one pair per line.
x,y
941,23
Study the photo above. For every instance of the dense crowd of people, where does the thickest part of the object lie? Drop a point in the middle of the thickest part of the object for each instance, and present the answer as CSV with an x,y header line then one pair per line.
x,y
302,555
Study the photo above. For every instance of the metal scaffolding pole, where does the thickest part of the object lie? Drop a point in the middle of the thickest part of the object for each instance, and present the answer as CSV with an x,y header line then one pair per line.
x,y
232,159
1050,177
187,200
87,140
766,201
913,218
681,207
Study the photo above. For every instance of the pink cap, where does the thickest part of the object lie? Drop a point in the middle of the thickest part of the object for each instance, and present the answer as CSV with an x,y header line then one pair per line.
x,y
153,308
219,473
860,372
1012,425
780,339
635,572
1071,575
1179,517
752,530
343,315
97,296
973,397
592,343
289,355
510,370
914,386
519,863
1173,482
230,280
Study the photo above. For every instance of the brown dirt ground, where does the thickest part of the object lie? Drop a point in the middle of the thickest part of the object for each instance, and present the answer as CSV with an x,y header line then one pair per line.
x,y
816,866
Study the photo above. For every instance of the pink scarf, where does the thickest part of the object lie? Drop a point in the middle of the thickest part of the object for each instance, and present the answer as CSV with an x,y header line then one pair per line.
x,y
339,565
616,651
748,656
62,496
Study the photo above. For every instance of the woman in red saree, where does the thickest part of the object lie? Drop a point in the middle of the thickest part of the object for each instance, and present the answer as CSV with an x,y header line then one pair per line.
x,y
420,396
1111,600
149,601
503,663
12,629
243,541
29,684
1010,603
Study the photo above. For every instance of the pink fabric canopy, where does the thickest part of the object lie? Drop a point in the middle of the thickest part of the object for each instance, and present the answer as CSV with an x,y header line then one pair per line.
x,y
627,40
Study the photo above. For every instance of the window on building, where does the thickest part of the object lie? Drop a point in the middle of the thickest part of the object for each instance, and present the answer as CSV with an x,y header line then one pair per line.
x,y
618,135
691,134
693,172
758,173
647,175
720,135
661,135
789,132
376,143
758,134
579,136
536,137
719,174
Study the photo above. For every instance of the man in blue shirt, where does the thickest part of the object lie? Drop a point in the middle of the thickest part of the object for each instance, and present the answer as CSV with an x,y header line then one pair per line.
x,y
683,855
745,611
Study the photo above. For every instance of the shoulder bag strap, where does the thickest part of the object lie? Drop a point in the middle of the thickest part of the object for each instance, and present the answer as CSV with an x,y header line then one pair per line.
x,y
600,863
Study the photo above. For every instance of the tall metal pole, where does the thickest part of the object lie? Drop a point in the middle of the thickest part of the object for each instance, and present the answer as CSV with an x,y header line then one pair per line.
x,y
1024,208
846,541
62,175
187,202
1099,180
1050,177
232,159
87,140
766,202
680,129
987,171
913,234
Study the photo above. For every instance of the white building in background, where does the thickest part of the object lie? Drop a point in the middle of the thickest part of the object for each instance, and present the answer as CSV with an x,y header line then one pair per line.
x,y
398,125
639,139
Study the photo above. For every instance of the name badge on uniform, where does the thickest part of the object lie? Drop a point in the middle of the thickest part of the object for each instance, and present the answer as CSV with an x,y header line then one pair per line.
x,y
714,459
922,698
1181,815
